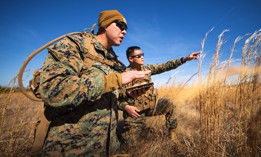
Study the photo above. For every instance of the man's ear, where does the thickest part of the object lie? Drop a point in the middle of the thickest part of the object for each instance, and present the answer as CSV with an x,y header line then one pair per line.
x,y
130,59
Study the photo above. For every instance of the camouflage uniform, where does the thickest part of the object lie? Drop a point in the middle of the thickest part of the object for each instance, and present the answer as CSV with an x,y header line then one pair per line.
x,y
149,105
81,103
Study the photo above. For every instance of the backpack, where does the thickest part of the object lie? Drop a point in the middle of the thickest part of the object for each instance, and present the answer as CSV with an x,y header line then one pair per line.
x,y
42,125
34,83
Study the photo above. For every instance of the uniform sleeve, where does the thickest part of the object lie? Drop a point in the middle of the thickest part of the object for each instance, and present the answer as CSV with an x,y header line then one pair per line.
x,y
123,102
122,105
61,82
124,98
160,68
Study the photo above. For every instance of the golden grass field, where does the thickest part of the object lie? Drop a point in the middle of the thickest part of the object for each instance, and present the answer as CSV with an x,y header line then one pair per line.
x,y
217,117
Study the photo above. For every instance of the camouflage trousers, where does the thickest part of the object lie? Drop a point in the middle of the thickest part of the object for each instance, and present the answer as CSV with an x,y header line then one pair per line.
x,y
133,128
91,134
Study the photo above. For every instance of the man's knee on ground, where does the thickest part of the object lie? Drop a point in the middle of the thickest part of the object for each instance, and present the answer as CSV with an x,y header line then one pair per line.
x,y
165,105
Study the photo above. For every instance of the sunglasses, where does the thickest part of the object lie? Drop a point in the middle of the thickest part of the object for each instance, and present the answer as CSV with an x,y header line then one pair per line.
x,y
138,56
121,25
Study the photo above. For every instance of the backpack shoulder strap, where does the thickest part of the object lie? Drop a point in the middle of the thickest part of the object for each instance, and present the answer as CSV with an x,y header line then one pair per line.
x,y
91,54
89,50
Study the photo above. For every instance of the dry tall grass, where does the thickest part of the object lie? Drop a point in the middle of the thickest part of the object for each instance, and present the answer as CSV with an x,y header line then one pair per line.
x,y
217,117
18,117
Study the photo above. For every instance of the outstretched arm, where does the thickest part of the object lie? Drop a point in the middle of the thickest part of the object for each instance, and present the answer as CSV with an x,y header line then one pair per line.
x,y
160,68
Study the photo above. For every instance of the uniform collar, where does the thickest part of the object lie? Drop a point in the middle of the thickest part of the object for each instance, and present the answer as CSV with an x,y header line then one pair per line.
x,y
101,48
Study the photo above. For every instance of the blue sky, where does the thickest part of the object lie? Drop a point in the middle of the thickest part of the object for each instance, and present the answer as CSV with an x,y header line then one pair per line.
x,y
166,29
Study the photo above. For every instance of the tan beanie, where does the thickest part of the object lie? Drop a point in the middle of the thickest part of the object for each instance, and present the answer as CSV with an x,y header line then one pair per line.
x,y
107,17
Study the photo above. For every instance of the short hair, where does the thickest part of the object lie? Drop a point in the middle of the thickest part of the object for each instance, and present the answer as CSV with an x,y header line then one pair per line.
x,y
130,50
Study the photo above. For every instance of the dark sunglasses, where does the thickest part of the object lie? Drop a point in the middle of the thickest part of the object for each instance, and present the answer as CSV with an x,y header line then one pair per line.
x,y
121,25
138,56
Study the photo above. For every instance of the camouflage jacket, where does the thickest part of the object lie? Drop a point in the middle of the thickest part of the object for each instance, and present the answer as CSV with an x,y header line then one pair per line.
x,y
148,100
81,103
